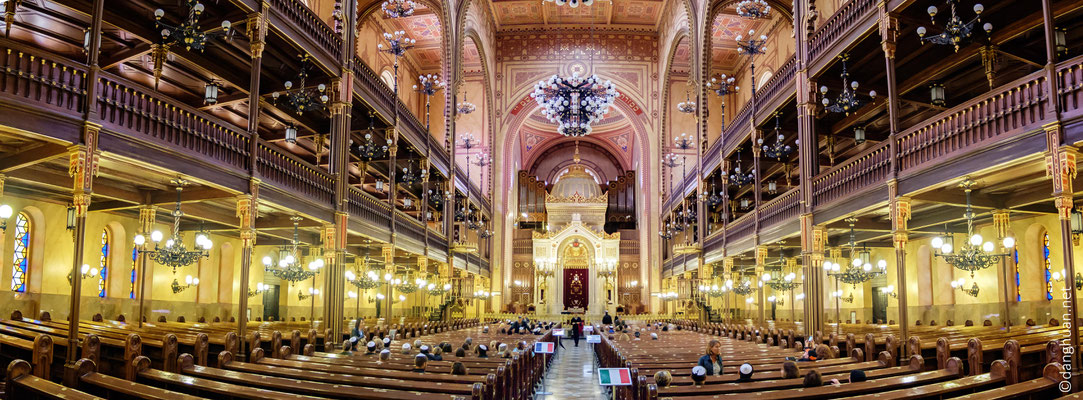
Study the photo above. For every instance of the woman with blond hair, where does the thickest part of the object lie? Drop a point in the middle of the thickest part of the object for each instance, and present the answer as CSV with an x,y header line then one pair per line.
x,y
712,360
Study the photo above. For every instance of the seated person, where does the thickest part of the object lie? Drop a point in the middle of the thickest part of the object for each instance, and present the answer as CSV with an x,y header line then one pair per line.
x,y
385,355
370,348
503,351
436,355
485,329
420,361
857,375
663,379
699,374
745,373
654,336
460,353
406,348
813,379
790,370
810,355
458,368
482,350
637,335
424,350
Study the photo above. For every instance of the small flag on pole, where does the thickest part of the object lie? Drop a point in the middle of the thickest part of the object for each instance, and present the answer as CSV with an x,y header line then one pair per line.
x,y
614,377
543,347
558,332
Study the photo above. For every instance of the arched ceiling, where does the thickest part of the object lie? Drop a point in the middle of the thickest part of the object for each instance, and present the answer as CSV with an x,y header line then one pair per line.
x,y
725,28
537,14
423,26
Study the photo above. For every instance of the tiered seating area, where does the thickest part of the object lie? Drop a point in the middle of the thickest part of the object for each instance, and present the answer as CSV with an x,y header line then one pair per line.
x,y
188,361
945,362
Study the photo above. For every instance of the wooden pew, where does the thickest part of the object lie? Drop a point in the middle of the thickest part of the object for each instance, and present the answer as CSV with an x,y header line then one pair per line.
x,y
91,381
21,384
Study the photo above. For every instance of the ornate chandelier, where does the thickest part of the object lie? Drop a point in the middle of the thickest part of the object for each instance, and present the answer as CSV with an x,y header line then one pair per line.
x,y
437,290
397,43
304,98
398,8
174,254
744,289
955,32
782,283
721,87
370,149
715,198
574,103
289,263
739,178
465,107
687,106
187,33
779,149
572,3
975,254
860,269
430,84
847,100
412,176
753,9
369,280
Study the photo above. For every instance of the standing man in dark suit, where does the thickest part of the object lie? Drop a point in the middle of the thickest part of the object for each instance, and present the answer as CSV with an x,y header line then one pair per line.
x,y
577,328
607,319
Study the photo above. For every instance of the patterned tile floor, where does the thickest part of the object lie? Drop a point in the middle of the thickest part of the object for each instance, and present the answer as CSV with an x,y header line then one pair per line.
x,y
573,374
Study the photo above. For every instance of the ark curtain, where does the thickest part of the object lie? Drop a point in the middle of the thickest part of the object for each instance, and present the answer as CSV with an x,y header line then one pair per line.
x,y
576,287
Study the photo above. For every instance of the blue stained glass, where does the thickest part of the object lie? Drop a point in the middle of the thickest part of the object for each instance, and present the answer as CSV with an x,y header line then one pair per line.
x,y
1048,268
20,261
104,261
135,254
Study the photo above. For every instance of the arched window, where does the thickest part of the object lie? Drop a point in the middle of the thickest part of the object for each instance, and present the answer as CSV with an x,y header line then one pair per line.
x,y
135,254
104,263
1048,267
21,260
388,78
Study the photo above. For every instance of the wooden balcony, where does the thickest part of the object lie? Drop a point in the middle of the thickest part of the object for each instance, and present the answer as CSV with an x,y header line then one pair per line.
x,y
45,94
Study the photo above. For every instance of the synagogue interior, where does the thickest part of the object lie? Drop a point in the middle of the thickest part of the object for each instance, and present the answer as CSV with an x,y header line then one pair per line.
x,y
242,199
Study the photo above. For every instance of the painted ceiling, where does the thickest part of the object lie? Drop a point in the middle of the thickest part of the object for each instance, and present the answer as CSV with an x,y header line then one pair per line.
x,y
630,14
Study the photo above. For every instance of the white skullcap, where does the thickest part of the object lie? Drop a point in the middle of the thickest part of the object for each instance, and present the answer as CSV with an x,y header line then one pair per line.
x,y
746,368
371,344
387,340
699,371
425,347
385,351
654,335
483,347
406,346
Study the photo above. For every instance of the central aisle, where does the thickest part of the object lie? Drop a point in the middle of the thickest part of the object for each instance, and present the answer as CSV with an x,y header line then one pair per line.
x,y
573,374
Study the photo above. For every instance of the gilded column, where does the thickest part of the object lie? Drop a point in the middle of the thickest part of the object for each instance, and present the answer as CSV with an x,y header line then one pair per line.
x,y
146,225
247,212
900,214
761,261
82,167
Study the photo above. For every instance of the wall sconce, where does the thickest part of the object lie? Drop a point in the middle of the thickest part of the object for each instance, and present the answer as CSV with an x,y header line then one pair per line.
x,y
311,292
848,299
936,94
260,288
749,300
961,285
210,93
777,300
772,187
351,294
890,291
799,296
188,282
402,297
5,213
85,272
378,297
379,186
859,134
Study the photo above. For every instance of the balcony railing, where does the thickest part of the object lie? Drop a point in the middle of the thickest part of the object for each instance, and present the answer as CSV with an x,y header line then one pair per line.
x,y
781,209
1070,87
306,20
367,208
1009,110
44,80
288,172
839,25
781,78
867,168
742,227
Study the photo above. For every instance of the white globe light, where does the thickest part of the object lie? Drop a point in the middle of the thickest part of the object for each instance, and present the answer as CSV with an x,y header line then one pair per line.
x,y
350,276
290,259
988,246
169,243
1009,242
766,276
867,267
857,262
447,286
140,240
976,239
188,279
195,281
85,268
200,238
402,298
156,236
937,242
882,264
379,296
946,249
5,211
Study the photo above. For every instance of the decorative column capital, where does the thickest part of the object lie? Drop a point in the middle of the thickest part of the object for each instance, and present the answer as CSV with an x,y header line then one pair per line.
x,y
1064,206
389,255
889,29
1001,222
256,30
761,256
900,214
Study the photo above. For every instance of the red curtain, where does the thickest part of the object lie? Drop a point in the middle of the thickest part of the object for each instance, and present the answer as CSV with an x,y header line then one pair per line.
x,y
576,288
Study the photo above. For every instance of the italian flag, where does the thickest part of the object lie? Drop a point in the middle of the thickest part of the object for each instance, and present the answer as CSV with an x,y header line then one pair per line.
x,y
614,376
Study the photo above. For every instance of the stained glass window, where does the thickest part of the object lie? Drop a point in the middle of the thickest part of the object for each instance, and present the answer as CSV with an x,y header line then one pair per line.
x,y
1015,257
1048,267
135,254
20,263
104,262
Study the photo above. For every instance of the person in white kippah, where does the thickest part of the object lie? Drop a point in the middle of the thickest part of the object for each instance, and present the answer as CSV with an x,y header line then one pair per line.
x,y
405,348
